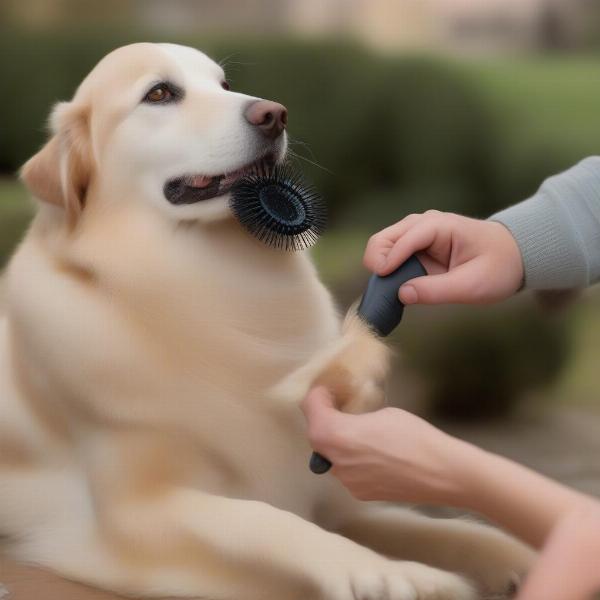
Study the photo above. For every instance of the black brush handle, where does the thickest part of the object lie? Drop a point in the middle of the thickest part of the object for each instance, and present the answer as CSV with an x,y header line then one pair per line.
x,y
380,306
382,310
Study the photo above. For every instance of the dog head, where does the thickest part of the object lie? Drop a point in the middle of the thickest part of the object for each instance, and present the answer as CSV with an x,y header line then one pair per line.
x,y
155,123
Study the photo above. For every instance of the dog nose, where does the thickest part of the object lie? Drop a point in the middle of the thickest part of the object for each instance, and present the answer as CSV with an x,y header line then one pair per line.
x,y
269,117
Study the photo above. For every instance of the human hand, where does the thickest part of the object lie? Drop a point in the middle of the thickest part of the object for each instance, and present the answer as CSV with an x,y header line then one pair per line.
x,y
389,454
568,566
468,261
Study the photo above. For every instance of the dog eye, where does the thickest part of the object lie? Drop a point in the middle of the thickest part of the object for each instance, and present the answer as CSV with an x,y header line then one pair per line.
x,y
162,93
225,85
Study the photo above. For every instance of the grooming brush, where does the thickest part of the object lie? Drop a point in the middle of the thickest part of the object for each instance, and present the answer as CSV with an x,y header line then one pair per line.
x,y
278,208
381,309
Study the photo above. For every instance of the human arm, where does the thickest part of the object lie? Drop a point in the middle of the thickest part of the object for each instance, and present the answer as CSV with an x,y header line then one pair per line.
x,y
568,568
393,455
550,241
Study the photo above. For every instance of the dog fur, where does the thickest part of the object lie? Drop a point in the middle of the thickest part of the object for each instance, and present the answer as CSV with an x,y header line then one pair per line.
x,y
152,361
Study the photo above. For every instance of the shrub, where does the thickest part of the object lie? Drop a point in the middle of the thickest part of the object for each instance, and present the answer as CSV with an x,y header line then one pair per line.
x,y
403,131
481,362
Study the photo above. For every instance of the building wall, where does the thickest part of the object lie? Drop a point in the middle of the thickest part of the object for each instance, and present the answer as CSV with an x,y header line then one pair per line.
x,y
448,25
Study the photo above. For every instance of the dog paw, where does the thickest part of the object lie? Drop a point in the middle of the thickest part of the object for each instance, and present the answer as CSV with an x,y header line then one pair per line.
x,y
356,374
510,591
434,584
498,563
353,368
404,581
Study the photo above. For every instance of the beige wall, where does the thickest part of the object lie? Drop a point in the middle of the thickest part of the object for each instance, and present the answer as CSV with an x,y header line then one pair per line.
x,y
449,25
460,25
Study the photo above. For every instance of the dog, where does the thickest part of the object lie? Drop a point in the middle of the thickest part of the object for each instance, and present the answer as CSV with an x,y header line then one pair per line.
x,y
153,356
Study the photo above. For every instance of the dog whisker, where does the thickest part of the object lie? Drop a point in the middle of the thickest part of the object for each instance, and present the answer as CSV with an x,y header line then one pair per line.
x,y
227,62
311,162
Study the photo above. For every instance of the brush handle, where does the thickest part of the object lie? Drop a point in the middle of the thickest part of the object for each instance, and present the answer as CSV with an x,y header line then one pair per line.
x,y
380,306
382,310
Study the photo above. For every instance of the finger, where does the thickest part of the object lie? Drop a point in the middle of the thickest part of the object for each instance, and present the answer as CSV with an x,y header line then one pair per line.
x,y
318,401
326,425
461,285
380,244
321,416
431,265
419,237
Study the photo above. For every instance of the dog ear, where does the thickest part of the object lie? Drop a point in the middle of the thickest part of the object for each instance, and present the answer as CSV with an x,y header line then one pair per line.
x,y
60,172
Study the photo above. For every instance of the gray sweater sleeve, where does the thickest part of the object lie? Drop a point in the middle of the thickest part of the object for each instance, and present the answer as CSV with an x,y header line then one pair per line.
x,y
558,229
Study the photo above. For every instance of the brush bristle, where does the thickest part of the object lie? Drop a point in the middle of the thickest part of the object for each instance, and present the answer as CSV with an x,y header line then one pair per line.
x,y
277,207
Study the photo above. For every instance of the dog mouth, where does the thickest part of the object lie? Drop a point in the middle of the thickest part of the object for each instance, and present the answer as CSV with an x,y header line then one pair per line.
x,y
189,189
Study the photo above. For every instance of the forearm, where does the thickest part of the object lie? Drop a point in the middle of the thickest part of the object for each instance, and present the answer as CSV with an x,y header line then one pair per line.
x,y
391,454
568,567
515,497
558,229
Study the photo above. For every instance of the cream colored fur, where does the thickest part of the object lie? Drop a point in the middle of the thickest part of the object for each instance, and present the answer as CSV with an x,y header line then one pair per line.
x,y
152,359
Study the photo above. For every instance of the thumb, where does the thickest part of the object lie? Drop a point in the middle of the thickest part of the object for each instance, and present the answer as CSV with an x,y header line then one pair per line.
x,y
455,286
318,404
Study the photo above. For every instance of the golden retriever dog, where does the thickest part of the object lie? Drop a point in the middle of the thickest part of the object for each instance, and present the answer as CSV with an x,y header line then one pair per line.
x,y
153,356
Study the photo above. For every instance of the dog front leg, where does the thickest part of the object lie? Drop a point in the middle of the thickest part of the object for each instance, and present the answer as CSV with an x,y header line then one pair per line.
x,y
485,554
188,543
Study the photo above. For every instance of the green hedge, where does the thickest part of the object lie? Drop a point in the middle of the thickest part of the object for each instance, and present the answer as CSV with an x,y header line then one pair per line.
x,y
393,135
478,363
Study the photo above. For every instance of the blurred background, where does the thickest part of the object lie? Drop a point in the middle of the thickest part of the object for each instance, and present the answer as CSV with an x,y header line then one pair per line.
x,y
396,106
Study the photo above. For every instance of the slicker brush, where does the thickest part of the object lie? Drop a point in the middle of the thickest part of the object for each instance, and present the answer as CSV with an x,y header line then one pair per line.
x,y
277,207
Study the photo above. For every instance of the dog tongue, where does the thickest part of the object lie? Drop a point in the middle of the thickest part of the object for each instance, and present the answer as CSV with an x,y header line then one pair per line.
x,y
200,181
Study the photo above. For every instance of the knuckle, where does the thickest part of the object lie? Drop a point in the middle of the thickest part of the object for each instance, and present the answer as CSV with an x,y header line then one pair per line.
x,y
456,219
432,212
374,239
